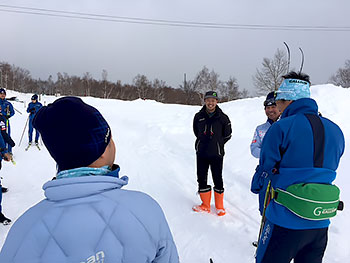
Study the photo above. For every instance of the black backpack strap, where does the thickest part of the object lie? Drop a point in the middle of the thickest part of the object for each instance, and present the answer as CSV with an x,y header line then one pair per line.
x,y
319,138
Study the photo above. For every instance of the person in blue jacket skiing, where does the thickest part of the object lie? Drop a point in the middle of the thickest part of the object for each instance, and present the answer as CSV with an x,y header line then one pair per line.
x,y
33,108
86,216
4,155
272,114
7,111
300,151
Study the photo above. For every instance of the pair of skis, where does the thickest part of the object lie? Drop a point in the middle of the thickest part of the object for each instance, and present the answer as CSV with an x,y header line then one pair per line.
x,y
29,145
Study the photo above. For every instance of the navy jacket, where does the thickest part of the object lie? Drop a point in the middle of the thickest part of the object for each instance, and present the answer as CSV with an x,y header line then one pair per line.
x,y
33,108
289,146
6,108
211,132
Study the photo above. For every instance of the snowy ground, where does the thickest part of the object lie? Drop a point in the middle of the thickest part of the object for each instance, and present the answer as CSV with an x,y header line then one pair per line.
x,y
155,148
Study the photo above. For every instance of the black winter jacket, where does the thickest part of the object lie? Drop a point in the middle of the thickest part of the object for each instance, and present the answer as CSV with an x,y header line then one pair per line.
x,y
211,132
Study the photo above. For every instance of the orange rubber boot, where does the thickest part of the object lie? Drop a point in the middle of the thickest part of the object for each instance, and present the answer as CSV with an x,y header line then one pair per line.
x,y
205,206
219,204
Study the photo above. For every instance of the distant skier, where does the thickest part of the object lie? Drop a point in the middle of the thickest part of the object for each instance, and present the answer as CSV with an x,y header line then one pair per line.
x,y
212,129
4,155
6,110
272,114
33,108
300,154
86,216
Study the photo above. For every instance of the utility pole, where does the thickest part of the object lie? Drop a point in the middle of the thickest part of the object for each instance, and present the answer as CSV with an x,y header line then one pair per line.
x,y
185,82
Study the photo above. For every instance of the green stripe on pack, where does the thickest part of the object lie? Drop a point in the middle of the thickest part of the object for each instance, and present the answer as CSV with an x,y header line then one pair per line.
x,y
310,201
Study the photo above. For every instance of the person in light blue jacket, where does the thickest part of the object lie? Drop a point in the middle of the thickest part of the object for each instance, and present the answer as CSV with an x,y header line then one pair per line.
x,y
272,114
86,216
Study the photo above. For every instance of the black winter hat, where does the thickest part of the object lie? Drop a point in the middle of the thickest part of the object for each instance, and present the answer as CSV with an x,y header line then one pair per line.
x,y
270,99
74,132
211,94
35,97
2,91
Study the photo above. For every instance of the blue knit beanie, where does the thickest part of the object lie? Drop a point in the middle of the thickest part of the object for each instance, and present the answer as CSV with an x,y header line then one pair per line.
x,y
293,89
74,133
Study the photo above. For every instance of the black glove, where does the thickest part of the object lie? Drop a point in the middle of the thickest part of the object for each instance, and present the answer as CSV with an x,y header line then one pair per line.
x,y
32,110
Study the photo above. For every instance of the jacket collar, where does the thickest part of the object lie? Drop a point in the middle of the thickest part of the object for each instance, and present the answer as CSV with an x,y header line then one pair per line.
x,y
301,106
216,113
69,188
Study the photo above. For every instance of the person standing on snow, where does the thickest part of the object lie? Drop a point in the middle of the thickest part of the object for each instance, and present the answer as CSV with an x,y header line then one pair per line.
x,y
7,111
86,216
299,156
33,108
4,155
212,129
7,141
272,114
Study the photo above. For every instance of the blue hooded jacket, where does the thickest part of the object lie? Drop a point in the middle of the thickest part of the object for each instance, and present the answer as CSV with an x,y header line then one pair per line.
x,y
90,219
289,146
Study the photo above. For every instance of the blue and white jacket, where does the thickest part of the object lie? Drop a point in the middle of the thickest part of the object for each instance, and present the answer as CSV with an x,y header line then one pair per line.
x,y
260,131
91,219
288,146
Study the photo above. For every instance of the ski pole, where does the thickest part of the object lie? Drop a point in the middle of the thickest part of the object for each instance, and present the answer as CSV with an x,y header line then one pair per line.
x,y
25,126
263,219
17,110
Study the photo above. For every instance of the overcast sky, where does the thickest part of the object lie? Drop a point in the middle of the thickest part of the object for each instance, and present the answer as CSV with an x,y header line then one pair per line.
x,y
46,45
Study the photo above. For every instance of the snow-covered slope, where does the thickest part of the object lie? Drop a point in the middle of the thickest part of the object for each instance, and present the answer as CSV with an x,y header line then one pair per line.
x,y
155,148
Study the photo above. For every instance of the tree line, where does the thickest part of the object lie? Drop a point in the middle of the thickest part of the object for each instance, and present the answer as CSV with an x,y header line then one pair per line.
x,y
266,79
189,92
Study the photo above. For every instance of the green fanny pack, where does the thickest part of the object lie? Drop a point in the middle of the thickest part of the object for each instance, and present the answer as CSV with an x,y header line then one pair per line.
x,y
310,201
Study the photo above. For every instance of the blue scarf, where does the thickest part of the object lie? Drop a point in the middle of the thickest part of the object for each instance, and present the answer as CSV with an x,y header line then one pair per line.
x,y
88,171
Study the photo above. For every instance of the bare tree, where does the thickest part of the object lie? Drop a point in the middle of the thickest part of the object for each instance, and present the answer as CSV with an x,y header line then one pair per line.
x,y
229,89
342,76
158,86
105,82
142,85
269,77
87,80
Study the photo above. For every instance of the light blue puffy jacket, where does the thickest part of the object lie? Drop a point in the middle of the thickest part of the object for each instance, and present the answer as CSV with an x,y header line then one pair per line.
x,y
90,219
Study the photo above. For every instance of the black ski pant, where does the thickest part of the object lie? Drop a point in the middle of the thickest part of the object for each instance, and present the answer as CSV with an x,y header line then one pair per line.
x,y
304,246
215,164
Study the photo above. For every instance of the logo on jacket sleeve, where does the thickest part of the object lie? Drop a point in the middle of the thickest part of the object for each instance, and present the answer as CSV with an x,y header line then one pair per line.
x,y
98,258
